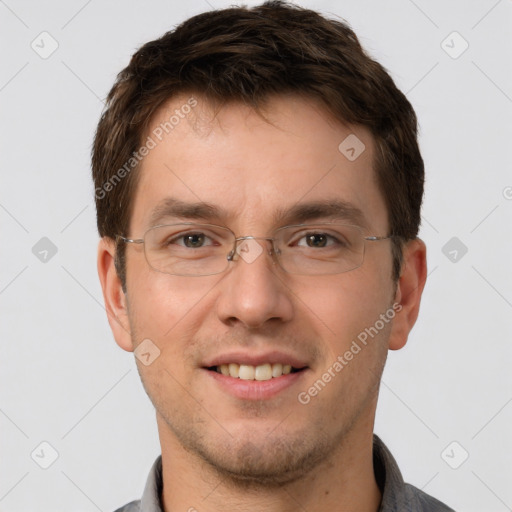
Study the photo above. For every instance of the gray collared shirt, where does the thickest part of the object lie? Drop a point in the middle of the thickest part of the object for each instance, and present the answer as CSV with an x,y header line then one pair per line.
x,y
397,496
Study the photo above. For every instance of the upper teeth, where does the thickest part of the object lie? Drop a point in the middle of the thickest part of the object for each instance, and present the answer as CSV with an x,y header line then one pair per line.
x,y
248,372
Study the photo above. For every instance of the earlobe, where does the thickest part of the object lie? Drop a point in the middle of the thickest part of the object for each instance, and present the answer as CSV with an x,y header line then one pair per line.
x,y
113,294
408,292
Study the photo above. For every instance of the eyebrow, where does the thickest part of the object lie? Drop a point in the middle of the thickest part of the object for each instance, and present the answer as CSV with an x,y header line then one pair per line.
x,y
329,209
175,208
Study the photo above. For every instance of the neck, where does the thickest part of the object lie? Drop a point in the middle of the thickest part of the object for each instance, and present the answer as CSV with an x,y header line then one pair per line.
x,y
343,482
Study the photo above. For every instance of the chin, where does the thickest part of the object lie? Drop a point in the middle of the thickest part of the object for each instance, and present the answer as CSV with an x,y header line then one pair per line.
x,y
268,461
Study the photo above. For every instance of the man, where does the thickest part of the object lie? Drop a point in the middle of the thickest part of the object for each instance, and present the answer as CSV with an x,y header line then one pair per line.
x,y
258,189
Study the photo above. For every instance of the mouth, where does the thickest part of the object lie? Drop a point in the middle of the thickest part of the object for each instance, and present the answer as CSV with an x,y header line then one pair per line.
x,y
261,372
248,375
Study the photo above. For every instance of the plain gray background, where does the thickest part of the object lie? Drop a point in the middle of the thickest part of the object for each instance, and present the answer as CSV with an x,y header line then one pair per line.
x,y
64,381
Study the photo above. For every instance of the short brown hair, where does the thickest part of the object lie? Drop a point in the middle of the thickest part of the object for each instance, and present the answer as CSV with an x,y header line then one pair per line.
x,y
246,55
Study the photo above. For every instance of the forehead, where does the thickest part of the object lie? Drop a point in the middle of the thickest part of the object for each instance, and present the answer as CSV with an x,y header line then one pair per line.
x,y
251,166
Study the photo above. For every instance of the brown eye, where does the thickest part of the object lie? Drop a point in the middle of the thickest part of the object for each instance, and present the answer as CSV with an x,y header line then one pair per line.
x,y
316,240
194,240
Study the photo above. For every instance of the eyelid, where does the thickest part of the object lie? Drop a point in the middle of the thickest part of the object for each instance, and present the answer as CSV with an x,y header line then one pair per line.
x,y
314,230
211,236
179,236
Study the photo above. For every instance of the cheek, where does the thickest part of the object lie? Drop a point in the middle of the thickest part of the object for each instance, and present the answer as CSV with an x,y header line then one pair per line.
x,y
161,306
169,311
348,315
344,305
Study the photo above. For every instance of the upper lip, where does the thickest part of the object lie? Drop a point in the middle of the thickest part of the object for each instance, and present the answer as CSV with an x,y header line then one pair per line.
x,y
256,359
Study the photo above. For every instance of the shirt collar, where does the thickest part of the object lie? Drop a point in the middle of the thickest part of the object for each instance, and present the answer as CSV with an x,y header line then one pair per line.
x,y
150,501
388,477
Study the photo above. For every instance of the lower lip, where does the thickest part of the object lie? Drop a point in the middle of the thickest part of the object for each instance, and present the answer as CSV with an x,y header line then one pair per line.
x,y
255,389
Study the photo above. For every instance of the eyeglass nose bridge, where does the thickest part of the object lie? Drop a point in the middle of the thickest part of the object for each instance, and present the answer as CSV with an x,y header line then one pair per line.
x,y
273,250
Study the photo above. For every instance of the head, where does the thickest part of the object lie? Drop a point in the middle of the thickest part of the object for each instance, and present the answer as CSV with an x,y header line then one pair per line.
x,y
238,116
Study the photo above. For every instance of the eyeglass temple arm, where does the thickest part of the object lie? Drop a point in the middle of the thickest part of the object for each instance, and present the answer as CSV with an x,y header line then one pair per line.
x,y
130,240
377,238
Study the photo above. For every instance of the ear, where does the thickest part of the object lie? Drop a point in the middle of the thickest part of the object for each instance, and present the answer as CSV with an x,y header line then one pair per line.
x,y
408,292
113,294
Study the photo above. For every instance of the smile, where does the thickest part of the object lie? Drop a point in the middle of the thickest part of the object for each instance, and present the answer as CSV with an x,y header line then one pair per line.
x,y
260,372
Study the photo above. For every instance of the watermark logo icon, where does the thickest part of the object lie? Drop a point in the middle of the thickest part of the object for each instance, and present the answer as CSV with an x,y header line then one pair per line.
x,y
44,250
454,455
147,352
351,147
44,45
249,250
44,455
454,249
454,45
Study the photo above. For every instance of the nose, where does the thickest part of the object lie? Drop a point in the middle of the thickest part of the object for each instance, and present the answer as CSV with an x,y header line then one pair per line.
x,y
253,292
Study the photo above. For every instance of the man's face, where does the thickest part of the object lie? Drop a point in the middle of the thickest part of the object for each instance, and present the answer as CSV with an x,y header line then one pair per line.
x,y
254,173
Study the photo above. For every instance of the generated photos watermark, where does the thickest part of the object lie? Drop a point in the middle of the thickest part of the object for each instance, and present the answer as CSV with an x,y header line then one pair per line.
x,y
157,135
304,397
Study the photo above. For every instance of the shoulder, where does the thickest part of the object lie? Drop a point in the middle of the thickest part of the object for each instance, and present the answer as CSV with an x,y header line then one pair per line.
x,y
133,506
398,496
423,502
